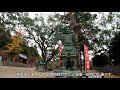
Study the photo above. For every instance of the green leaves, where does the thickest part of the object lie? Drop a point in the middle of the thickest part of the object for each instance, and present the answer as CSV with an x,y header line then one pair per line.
x,y
15,44
110,19
101,60
4,37
27,21
114,48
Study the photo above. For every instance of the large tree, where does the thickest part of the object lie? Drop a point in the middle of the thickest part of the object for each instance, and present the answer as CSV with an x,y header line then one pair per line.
x,y
41,33
15,45
93,29
114,49
4,37
9,21
101,60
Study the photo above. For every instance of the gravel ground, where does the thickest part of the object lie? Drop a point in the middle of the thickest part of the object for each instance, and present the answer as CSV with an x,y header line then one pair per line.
x,y
20,72
25,72
107,75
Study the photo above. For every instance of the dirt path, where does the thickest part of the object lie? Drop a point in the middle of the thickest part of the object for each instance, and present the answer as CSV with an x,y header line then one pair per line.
x,y
106,75
23,72
20,72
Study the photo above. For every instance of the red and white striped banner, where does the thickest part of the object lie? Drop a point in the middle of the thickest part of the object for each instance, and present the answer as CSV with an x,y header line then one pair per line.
x,y
87,62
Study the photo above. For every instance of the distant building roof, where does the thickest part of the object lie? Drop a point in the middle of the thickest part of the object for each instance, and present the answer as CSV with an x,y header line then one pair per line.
x,y
23,56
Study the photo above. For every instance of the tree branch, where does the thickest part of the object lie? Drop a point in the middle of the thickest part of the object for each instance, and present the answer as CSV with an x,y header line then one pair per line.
x,y
6,22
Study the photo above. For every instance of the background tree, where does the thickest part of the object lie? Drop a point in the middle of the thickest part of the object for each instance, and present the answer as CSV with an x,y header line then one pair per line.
x,y
41,33
14,47
8,23
95,29
4,37
101,60
115,49
30,51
